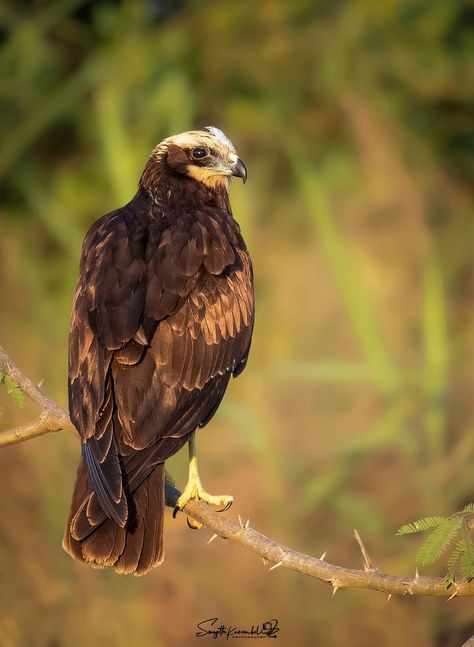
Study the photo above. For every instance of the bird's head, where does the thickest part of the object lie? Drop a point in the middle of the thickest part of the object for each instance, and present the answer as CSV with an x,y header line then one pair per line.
x,y
206,156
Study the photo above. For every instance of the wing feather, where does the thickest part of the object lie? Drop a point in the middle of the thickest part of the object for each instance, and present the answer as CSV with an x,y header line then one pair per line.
x,y
163,315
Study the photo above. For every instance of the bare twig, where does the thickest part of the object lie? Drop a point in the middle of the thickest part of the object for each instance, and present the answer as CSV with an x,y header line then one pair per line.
x,y
53,418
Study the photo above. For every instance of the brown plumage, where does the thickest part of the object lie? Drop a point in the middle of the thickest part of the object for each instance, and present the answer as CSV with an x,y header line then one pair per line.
x,y
162,317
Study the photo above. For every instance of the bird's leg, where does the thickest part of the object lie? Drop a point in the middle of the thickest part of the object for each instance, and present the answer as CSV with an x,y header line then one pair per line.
x,y
194,489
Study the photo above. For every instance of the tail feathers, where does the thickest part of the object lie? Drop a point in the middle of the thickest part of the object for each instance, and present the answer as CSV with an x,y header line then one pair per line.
x,y
137,547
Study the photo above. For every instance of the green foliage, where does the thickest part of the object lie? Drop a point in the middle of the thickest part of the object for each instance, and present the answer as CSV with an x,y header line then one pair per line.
x,y
467,556
13,389
438,541
444,530
422,524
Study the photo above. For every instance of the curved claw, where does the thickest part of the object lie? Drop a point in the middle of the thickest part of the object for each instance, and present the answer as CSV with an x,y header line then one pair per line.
x,y
226,507
193,524
175,511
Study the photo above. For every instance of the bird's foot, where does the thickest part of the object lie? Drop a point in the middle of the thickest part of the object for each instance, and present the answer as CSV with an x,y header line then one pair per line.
x,y
194,490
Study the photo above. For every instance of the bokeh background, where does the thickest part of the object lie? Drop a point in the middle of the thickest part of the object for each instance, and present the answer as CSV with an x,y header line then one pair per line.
x,y
356,408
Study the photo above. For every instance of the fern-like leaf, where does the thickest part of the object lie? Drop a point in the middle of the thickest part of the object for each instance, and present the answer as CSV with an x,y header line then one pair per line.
x,y
422,524
438,540
466,564
452,564
455,555
444,530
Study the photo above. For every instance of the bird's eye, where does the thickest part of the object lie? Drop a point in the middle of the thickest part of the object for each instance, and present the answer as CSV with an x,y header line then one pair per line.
x,y
199,153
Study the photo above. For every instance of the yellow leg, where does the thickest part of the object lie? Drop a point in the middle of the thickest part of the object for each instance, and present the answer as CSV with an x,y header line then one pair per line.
x,y
195,490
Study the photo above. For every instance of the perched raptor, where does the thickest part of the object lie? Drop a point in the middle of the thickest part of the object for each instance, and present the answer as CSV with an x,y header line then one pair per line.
x,y
162,318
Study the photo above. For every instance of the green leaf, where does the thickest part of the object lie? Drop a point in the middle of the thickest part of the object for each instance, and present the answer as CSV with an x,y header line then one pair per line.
x,y
455,555
460,561
14,390
438,540
467,559
448,580
452,564
422,524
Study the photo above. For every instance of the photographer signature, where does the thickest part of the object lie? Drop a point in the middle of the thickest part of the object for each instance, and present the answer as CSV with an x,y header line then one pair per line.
x,y
211,627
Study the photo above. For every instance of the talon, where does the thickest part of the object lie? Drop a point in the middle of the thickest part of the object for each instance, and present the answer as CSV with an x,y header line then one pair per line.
x,y
227,506
195,490
193,524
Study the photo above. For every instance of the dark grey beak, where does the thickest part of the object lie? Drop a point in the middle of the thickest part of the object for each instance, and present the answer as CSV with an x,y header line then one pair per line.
x,y
239,170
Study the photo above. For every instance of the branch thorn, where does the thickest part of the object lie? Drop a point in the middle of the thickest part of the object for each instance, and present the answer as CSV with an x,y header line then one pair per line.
x,y
365,555
275,566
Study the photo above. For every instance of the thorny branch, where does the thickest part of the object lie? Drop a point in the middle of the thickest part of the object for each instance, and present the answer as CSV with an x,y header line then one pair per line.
x,y
53,418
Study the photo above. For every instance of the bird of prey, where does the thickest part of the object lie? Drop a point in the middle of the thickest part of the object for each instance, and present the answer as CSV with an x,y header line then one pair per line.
x,y
162,318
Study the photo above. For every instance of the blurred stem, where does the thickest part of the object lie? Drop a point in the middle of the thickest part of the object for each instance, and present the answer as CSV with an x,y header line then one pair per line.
x,y
116,148
64,230
436,353
387,431
345,272
46,112
335,371
42,21
251,419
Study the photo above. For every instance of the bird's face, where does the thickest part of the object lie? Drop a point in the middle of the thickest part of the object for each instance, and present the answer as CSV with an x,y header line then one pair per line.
x,y
206,155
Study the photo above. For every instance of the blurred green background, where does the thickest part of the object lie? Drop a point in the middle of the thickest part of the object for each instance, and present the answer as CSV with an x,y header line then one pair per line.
x,y
356,408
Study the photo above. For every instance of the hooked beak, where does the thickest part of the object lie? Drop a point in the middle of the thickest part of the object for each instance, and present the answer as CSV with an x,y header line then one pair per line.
x,y
239,170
